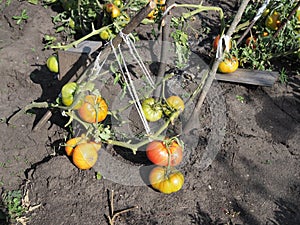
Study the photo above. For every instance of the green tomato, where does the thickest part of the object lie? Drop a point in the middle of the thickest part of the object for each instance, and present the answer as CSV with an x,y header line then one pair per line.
x,y
67,94
118,3
105,34
71,23
152,109
52,64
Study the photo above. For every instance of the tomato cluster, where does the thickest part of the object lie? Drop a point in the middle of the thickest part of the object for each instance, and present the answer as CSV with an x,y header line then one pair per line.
x,y
155,109
84,153
113,14
165,154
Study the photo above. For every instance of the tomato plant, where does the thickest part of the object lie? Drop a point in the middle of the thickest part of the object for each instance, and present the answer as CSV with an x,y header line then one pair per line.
x,y
166,180
228,65
152,109
85,155
159,152
52,64
93,109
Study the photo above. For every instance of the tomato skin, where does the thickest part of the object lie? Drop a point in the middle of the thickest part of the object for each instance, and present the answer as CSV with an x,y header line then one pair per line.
x,y
228,65
152,109
88,110
85,156
157,153
165,182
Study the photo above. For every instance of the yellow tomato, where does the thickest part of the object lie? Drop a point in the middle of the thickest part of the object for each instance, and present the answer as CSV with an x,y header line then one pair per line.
x,y
228,65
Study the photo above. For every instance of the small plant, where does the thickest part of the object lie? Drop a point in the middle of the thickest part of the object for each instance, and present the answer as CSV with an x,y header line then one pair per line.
x,y
22,17
283,76
12,203
240,98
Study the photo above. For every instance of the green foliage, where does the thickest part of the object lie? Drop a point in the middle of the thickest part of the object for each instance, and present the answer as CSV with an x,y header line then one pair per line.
x,y
12,204
268,48
22,17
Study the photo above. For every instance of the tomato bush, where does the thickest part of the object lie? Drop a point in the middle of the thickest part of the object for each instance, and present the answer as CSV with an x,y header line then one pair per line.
x,y
158,152
152,109
166,181
93,109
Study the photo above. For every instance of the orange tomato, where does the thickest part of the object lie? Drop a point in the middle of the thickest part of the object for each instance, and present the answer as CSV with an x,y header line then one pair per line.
x,y
72,143
94,109
228,65
216,42
251,41
85,156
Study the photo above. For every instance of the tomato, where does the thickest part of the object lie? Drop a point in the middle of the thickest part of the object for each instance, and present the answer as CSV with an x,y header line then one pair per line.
x,y
216,42
109,7
175,102
115,12
251,42
93,107
228,65
152,109
298,14
157,152
118,3
272,22
155,11
166,181
52,64
105,34
67,95
72,143
85,155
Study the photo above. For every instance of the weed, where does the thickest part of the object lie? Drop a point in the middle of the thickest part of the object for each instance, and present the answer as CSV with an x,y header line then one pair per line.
x,y
283,76
240,98
12,203
22,17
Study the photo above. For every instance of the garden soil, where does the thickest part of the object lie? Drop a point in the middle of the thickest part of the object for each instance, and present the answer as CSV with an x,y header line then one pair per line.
x,y
254,179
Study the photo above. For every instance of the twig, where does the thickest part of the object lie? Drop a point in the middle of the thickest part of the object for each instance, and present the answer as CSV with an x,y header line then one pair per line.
x,y
113,215
211,75
163,53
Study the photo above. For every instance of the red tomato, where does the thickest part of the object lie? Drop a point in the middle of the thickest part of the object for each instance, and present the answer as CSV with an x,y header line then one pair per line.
x,y
157,153
92,107
166,181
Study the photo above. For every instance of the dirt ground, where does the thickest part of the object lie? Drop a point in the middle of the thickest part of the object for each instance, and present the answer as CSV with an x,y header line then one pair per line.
x,y
254,179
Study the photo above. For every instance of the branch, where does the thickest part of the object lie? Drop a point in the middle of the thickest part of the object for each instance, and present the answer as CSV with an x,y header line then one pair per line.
x,y
212,73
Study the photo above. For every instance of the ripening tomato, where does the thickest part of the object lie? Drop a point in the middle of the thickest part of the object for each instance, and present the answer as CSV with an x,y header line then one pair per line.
x,y
93,109
175,102
166,181
72,143
228,65
85,156
52,64
152,109
272,22
251,42
216,42
109,7
157,152
115,12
